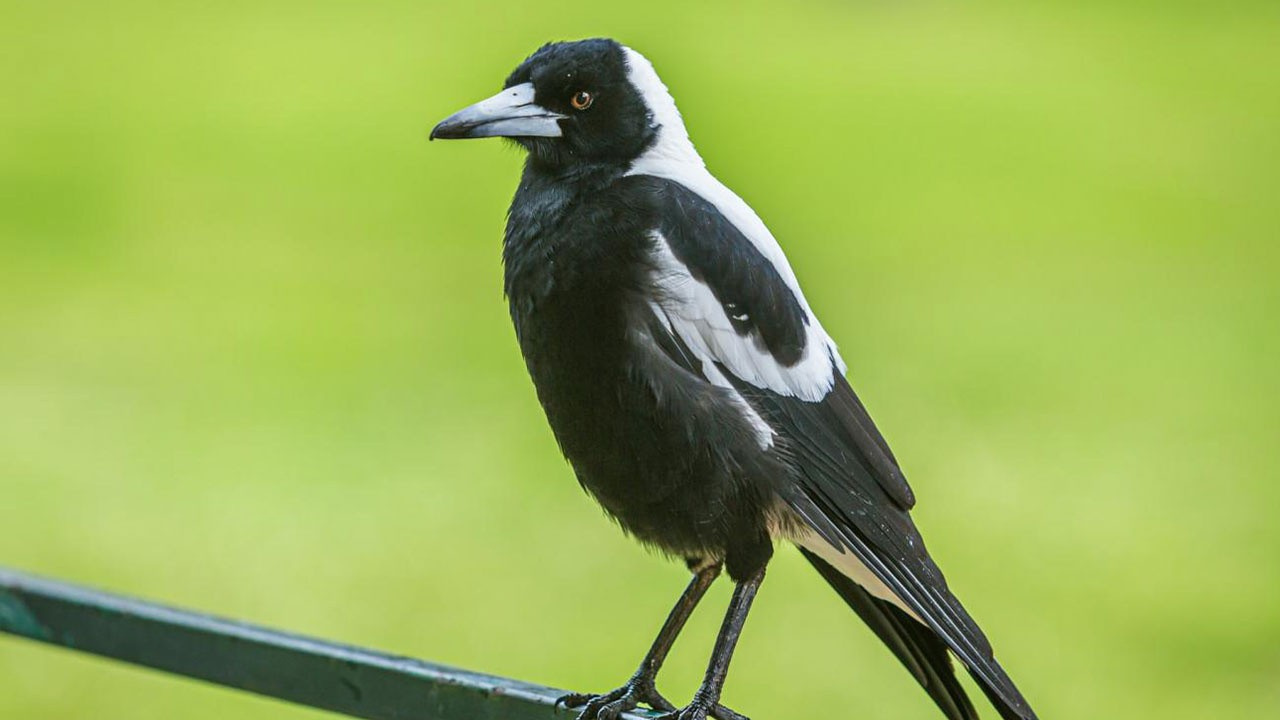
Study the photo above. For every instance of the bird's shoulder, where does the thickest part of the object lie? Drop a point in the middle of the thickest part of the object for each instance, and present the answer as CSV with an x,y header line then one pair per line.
x,y
721,283
730,309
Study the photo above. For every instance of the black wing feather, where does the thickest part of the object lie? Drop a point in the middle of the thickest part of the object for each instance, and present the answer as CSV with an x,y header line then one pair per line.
x,y
842,486
763,309
919,648
850,413
759,305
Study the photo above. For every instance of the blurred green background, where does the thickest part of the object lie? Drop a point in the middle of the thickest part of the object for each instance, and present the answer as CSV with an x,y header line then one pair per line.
x,y
254,356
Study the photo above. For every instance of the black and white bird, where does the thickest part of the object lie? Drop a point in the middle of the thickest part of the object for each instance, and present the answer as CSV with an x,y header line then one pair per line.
x,y
689,383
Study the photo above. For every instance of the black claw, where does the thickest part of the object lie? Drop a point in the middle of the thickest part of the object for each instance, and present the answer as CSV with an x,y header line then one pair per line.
x,y
699,711
595,707
612,704
613,710
691,711
571,700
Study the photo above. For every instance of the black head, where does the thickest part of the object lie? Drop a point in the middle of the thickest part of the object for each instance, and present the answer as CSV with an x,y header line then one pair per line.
x,y
569,103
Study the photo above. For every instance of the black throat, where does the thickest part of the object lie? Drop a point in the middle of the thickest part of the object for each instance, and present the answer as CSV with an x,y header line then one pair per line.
x,y
576,266
545,242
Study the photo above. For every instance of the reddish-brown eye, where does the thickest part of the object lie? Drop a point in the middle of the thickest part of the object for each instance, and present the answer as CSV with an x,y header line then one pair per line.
x,y
581,100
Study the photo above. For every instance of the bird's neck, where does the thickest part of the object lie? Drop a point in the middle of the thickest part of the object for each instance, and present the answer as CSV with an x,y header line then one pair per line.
x,y
545,198
547,193
568,269
575,178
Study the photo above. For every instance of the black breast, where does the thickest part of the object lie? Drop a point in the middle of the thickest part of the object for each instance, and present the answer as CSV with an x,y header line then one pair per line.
x,y
664,452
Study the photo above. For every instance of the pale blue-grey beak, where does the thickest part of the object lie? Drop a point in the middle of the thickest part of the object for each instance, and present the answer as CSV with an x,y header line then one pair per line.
x,y
510,113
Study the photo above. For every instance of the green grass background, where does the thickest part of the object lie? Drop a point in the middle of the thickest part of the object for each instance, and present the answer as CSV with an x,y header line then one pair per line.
x,y
254,357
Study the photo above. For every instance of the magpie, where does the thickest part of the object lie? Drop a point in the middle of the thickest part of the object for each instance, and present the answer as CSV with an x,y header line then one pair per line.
x,y
690,385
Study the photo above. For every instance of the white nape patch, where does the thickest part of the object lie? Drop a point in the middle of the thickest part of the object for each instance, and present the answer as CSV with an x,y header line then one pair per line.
x,y
674,158
764,432
850,566
672,144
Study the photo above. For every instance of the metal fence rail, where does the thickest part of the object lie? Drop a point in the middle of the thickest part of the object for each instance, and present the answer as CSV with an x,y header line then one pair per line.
x,y
349,680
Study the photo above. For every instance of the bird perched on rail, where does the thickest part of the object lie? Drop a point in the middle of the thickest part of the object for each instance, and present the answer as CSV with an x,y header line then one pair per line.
x,y
689,383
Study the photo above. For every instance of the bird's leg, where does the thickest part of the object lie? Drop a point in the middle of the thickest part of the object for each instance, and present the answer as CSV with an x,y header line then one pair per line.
x,y
706,701
640,688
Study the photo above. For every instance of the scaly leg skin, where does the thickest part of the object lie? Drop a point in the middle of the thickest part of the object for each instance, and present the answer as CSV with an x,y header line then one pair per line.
x,y
640,688
706,701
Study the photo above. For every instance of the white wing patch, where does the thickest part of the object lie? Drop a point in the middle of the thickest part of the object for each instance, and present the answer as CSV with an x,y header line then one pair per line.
x,y
674,158
764,433
698,318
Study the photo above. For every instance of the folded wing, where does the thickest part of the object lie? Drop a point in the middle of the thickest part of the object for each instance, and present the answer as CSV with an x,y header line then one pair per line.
x,y
732,313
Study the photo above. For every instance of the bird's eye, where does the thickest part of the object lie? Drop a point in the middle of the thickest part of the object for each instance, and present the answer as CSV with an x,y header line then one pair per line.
x,y
581,100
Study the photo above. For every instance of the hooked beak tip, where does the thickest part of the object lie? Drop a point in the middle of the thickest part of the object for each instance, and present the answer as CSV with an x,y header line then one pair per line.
x,y
510,113
446,130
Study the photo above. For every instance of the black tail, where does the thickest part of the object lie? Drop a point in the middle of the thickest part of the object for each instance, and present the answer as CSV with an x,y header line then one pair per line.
x,y
920,649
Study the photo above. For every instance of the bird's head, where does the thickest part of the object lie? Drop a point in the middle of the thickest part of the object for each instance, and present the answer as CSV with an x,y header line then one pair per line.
x,y
587,102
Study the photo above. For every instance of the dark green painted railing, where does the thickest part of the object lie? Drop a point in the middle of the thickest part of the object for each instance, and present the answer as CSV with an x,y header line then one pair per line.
x,y
349,680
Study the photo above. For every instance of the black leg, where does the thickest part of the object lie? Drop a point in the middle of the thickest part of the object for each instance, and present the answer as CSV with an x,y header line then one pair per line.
x,y
707,700
641,688
675,621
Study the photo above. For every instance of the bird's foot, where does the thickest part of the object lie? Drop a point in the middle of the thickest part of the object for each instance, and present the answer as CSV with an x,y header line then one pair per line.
x,y
612,704
700,709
